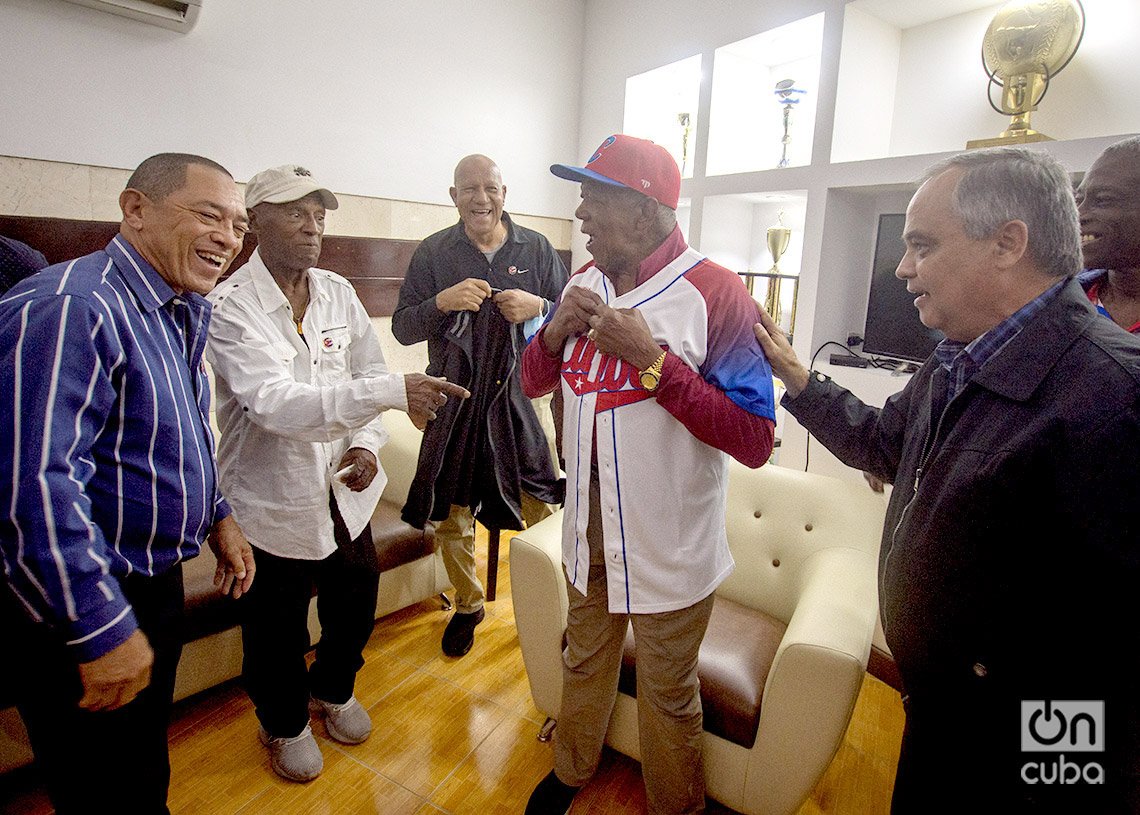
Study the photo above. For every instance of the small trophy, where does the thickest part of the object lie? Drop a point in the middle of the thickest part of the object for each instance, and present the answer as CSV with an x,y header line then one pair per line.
x,y
1025,46
788,96
778,238
683,120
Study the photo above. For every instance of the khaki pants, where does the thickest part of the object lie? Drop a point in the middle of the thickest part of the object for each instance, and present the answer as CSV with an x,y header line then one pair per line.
x,y
669,716
456,539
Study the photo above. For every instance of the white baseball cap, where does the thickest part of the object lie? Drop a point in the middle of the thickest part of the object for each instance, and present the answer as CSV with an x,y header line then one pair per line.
x,y
280,185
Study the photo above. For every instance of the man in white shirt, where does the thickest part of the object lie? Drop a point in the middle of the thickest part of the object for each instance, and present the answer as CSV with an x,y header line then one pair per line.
x,y
301,383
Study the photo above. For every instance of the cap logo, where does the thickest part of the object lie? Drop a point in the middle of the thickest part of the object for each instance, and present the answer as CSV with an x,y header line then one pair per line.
x,y
645,184
301,171
598,152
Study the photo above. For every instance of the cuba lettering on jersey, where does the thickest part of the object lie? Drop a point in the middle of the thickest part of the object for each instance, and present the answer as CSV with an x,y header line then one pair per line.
x,y
616,382
662,489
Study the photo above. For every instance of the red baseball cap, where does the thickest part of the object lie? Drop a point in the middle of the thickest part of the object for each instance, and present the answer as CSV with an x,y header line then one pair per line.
x,y
627,161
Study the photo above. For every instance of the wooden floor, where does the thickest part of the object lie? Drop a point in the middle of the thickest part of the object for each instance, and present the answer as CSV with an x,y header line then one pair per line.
x,y
450,736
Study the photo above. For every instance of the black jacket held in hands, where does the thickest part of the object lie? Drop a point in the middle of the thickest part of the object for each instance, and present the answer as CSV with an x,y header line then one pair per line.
x,y
479,452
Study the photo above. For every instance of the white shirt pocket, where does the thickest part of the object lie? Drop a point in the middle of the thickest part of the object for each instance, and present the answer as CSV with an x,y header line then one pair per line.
x,y
334,344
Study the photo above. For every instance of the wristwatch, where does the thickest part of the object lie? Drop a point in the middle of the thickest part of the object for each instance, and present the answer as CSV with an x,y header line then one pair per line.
x,y
650,378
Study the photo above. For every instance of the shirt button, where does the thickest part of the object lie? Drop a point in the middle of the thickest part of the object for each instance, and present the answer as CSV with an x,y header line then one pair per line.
x,y
980,670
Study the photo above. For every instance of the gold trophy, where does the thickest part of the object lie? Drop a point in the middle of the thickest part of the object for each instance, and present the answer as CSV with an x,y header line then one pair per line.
x,y
1026,45
778,238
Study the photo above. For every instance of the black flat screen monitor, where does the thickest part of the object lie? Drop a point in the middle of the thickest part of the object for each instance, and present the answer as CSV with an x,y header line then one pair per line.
x,y
893,328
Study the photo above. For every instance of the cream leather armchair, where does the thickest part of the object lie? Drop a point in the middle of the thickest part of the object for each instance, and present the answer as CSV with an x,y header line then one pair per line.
x,y
805,547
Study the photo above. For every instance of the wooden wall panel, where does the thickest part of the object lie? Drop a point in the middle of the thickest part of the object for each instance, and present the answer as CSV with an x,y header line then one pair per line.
x,y
59,239
376,266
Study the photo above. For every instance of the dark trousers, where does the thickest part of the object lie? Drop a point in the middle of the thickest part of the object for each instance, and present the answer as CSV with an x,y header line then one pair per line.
x,y
961,753
275,632
111,761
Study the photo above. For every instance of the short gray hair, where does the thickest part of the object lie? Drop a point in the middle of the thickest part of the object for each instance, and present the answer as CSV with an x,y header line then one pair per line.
x,y
1003,184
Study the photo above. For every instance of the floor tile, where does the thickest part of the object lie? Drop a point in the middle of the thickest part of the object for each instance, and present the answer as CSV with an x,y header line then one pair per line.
x,y
499,775
428,726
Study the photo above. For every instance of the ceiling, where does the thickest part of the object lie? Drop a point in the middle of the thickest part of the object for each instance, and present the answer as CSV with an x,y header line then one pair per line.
x,y
910,13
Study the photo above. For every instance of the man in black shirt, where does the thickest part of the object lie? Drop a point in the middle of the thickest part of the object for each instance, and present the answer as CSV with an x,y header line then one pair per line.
x,y
477,291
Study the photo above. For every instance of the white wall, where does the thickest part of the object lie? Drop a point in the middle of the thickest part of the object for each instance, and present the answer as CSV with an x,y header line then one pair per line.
x,y
864,119
627,37
727,236
377,97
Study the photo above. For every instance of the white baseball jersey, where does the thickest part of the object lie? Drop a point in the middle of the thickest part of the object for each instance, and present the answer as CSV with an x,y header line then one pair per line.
x,y
662,489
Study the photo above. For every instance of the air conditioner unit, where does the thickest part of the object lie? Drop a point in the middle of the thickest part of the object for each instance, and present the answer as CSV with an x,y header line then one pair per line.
x,y
177,15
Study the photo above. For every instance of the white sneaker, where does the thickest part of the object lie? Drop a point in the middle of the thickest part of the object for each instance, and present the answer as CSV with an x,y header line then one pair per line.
x,y
348,723
297,758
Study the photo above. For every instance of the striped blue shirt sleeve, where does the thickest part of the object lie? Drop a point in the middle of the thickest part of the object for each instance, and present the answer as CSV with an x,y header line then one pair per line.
x,y
58,391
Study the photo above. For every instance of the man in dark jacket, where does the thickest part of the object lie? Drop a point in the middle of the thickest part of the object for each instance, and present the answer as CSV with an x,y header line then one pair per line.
x,y
1009,559
476,292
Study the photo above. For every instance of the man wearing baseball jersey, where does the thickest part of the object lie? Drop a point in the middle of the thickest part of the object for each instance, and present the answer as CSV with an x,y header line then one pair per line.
x,y
652,345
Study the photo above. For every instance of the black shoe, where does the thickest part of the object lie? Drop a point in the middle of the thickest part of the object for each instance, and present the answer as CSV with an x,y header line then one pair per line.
x,y
459,635
551,797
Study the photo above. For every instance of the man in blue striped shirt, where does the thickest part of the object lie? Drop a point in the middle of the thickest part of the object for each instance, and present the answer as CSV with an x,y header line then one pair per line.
x,y
113,481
